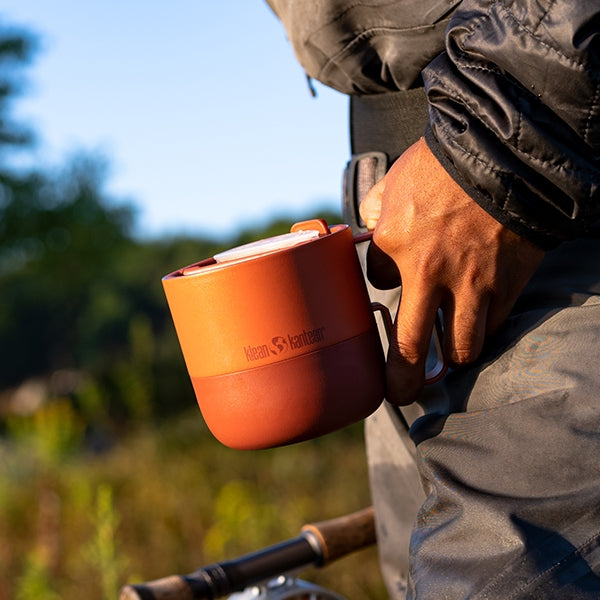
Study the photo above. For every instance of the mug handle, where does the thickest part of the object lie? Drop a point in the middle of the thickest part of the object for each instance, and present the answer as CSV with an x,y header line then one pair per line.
x,y
440,368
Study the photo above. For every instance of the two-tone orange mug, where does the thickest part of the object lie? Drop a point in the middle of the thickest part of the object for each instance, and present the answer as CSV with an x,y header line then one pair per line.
x,y
279,337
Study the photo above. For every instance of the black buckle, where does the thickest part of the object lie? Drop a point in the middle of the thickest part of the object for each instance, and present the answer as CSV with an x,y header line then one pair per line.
x,y
362,172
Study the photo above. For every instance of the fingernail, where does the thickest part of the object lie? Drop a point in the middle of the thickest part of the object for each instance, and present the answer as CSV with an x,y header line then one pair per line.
x,y
370,223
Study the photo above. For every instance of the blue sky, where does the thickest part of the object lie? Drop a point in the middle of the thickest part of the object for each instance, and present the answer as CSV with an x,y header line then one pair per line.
x,y
199,105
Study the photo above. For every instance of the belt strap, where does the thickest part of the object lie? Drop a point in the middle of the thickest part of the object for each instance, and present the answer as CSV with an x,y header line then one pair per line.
x,y
388,123
382,126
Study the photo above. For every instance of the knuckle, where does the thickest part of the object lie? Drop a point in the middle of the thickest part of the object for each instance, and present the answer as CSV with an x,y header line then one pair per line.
x,y
464,353
383,237
407,352
461,356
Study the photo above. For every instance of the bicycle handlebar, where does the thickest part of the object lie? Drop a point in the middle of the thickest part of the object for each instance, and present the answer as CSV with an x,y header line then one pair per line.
x,y
317,545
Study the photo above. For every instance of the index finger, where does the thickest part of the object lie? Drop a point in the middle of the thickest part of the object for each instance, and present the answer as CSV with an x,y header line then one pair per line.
x,y
409,346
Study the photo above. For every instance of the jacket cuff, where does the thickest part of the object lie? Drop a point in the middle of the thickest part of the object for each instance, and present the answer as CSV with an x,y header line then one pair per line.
x,y
485,201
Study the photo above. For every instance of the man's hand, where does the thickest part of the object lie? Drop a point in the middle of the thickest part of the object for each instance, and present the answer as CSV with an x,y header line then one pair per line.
x,y
450,254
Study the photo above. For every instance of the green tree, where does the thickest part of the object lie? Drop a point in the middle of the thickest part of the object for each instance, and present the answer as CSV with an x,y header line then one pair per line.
x,y
58,240
16,50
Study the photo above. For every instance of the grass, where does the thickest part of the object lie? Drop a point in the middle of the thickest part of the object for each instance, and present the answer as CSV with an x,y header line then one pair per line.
x,y
163,499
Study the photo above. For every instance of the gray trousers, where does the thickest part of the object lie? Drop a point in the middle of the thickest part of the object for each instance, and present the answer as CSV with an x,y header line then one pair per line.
x,y
493,490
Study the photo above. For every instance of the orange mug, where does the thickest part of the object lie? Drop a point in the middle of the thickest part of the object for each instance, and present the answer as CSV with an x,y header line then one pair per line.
x,y
279,337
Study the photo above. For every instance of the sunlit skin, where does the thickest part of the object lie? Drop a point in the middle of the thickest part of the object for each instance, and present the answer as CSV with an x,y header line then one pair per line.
x,y
451,254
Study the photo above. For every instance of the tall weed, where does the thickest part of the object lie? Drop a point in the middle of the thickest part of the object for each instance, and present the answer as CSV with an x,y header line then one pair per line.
x,y
102,551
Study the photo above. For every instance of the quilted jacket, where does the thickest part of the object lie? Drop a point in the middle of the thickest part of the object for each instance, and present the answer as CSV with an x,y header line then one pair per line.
x,y
513,88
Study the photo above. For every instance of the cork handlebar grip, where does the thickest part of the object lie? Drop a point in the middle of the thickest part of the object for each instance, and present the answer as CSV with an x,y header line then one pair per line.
x,y
318,545
343,535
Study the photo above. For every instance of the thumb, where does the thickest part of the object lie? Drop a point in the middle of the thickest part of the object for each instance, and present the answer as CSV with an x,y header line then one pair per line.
x,y
370,207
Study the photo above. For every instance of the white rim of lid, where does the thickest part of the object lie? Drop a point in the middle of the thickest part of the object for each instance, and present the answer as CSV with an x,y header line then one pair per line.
x,y
266,246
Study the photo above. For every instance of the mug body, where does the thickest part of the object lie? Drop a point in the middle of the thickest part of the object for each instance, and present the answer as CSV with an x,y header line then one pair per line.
x,y
280,345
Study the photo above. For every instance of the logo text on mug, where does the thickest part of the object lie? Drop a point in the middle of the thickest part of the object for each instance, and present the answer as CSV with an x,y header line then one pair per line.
x,y
280,344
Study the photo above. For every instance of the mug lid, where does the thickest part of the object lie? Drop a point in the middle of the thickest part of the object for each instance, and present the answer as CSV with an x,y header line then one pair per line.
x,y
267,245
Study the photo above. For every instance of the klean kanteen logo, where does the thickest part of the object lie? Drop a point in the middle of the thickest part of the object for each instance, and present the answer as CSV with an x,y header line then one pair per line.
x,y
282,344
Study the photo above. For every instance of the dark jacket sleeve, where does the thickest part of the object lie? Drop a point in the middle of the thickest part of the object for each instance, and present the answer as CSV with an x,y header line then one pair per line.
x,y
515,112
365,46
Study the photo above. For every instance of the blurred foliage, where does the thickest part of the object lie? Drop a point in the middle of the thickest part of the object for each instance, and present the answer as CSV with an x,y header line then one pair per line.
x,y
108,472
17,47
166,500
